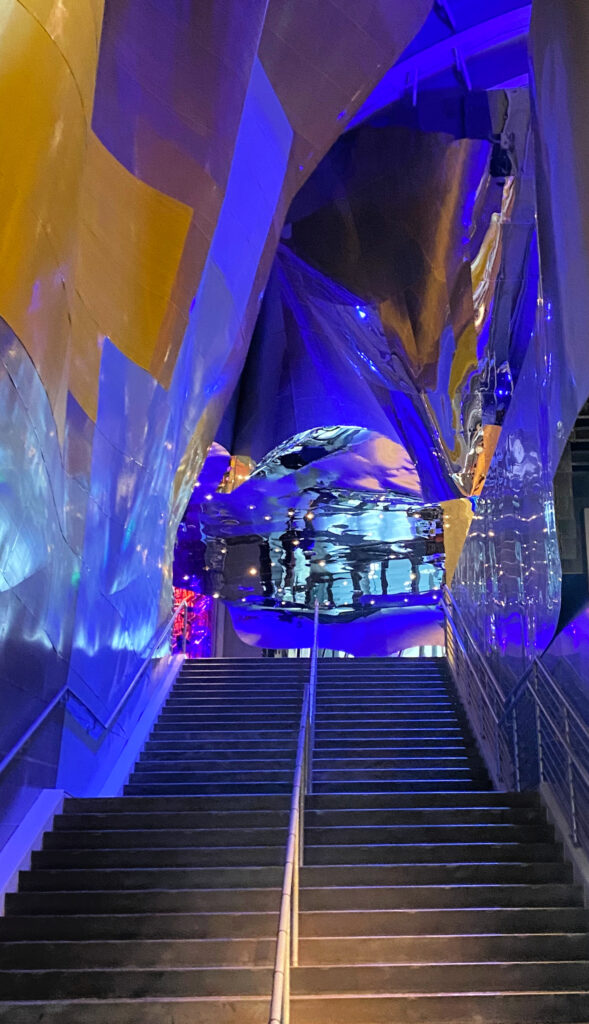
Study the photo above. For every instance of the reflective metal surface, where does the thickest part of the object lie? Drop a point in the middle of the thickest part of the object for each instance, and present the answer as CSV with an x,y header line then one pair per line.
x,y
147,161
434,227
319,519
508,579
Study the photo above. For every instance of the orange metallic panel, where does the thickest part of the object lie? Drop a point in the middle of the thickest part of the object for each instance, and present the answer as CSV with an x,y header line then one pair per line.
x,y
131,242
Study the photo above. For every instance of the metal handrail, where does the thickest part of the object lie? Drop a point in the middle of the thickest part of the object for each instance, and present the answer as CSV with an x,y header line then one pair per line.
x,y
183,606
480,691
466,632
287,939
522,685
584,774
66,692
470,664
561,774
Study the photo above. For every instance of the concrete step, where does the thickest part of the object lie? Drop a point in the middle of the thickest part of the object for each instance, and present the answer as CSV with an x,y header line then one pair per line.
x,y
434,853
423,897
142,925
386,763
417,731
133,982
423,816
149,804
328,817
368,835
159,881
169,838
213,704
436,978
346,744
397,749
412,706
169,819
378,979
411,715
449,873
488,1007
439,921
443,949
161,953
234,721
416,785
221,734
175,766
412,771
154,838
229,713
283,691
485,1008
218,754
205,902
217,877
410,800
204,788
225,775
169,742
429,949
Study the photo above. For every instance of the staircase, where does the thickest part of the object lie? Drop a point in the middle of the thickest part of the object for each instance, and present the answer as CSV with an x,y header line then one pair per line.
x,y
426,897
161,906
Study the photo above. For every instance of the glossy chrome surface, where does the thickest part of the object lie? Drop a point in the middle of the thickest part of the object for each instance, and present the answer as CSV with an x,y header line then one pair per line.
x,y
142,205
426,222
319,519
508,579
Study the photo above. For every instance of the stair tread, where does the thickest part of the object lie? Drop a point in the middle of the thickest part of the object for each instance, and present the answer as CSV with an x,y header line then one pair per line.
x,y
416,871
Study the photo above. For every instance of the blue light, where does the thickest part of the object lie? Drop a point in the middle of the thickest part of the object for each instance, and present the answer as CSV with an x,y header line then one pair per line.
x,y
361,313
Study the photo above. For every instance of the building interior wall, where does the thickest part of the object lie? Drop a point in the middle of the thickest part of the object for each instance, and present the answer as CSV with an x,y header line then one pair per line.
x,y
148,154
153,155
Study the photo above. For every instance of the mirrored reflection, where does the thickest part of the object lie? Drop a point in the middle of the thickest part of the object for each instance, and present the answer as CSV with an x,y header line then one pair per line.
x,y
427,216
296,532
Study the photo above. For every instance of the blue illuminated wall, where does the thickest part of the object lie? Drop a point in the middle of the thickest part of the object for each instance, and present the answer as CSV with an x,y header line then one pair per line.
x,y
156,188
508,580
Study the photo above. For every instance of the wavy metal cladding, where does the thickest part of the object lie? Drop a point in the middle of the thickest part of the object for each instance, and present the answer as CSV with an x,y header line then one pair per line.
x,y
413,216
508,578
43,496
134,251
320,358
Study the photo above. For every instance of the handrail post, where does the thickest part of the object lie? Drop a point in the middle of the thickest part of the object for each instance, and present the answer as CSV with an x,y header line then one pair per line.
x,y
538,726
571,781
312,700
301,827
185,630
287,940
294,903
286,991
515,737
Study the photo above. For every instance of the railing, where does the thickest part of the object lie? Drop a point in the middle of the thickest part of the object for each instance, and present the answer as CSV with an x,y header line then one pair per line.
x,y
66,692
287,940
480,692
550,745
534,737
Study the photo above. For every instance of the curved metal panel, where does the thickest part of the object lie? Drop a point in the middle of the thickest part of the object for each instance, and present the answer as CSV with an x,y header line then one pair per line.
x,y
508,579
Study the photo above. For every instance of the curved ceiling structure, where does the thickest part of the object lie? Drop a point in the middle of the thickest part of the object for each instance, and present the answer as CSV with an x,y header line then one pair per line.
x,y
478,46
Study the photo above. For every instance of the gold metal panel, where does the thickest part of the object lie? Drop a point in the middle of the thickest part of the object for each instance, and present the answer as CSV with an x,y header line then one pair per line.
x,y
131,242
74,26
458,516
42,139
85,355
